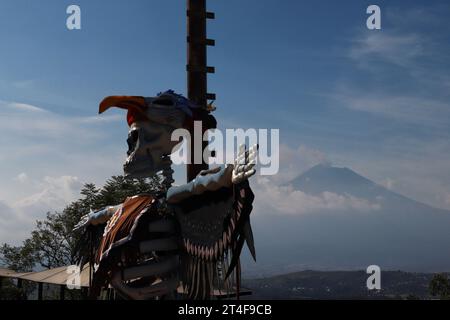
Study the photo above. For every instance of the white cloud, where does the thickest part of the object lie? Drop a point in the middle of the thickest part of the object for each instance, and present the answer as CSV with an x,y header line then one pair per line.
x,y
100,119
53,194
409,109
5,211
40,143
413,167
21,107
13,228
45,159
408,57
20,120
388,183
274,194
273,199
398,49
50,194
294,161
22,177
447,199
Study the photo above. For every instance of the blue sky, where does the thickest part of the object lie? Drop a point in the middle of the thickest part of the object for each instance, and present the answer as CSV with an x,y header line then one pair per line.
x,y
375,101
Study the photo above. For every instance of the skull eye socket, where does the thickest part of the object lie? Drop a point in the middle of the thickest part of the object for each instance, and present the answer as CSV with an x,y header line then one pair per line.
x,y
164,102
132,140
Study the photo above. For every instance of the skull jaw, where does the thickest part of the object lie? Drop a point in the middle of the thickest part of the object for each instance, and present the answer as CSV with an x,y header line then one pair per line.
x,y
143,167
139,170
139,174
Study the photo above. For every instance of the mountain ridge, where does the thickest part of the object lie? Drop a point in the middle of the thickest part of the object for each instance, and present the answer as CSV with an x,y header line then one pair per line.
x,y
362,187
402,234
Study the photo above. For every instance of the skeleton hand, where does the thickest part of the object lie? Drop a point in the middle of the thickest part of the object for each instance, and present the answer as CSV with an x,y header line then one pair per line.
x,y
95,218
84,222
244,163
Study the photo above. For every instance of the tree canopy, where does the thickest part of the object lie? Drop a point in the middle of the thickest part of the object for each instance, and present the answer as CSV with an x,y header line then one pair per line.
x,y
440,286
53,243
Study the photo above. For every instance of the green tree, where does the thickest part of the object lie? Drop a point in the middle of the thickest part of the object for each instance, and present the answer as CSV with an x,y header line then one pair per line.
x,y
53,243
19,259
440,286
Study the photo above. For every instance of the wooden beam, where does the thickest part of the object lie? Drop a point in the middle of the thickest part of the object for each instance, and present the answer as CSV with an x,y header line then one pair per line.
x,y
40,290
200,69
197,82
21,294
62,291
206,15
85,293
202,41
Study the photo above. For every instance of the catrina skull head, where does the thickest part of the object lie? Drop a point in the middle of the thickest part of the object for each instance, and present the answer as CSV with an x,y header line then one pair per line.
x,y
151,121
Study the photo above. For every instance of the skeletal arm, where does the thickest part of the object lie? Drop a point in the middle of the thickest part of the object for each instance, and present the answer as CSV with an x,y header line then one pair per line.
x,y
214,179
97,217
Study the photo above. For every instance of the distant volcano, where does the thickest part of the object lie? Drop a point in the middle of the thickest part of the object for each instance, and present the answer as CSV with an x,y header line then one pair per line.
x,y
343,181
401,234
323,178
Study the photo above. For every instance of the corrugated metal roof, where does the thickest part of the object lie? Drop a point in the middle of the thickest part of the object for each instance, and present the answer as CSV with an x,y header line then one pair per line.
x,y
57,276
6,273
60,276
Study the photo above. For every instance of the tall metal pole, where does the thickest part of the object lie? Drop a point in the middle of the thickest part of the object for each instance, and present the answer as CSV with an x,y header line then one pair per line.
x,y
197,71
